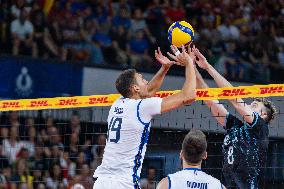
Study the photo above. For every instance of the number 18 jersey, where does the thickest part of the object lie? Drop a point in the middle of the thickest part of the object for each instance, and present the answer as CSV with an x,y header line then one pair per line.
x,y
128,132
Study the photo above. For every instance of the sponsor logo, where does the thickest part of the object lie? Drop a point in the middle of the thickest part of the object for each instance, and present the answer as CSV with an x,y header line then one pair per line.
x,y
96,100
270,90
202,94
39,103
24,83
118,110
11,104
163,94
68,102
233,92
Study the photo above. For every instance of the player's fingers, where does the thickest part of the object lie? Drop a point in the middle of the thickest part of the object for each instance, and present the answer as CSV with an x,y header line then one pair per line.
x,y
159,50
183,49
172,56
174,48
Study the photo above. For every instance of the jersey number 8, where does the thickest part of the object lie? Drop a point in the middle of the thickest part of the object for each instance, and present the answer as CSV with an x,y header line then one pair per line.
x,y
114,126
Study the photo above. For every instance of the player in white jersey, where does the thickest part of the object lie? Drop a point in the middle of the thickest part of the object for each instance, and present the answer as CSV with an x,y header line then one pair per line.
x,y
129,121
193,152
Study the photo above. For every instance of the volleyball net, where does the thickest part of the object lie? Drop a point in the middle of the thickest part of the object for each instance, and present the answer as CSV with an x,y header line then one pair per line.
x,y
62,145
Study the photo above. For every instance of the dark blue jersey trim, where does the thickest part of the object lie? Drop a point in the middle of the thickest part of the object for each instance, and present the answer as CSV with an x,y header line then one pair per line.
x,y
138,115
170,182
192,169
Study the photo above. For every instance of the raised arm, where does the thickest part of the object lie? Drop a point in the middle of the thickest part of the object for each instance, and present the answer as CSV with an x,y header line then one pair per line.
x,y
187,94
241,107
218,110
156,82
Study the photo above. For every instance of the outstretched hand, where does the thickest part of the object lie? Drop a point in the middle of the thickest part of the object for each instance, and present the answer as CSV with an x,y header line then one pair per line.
x,y
201,62
181,58
163,59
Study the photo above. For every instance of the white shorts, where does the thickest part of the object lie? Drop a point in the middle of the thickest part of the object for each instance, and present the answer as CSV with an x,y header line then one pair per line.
x,y
111,183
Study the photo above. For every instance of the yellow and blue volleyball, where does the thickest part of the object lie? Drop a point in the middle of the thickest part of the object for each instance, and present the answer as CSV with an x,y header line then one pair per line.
x,y
180,33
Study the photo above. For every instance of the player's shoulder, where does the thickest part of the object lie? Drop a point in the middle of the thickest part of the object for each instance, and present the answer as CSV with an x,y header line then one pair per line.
x,y
211,179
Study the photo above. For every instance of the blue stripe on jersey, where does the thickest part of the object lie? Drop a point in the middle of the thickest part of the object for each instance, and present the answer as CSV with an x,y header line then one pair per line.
x,y
170,182
193,169
138,157
222,186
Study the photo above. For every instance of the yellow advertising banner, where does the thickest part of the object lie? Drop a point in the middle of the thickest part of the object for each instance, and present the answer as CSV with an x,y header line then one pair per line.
x,y
107,100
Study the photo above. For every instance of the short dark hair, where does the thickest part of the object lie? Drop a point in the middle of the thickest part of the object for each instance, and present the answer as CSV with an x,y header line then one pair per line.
x,y
124,82
269,107
194,146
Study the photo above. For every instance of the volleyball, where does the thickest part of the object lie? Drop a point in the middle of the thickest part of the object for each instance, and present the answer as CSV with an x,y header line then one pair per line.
x,y
180,33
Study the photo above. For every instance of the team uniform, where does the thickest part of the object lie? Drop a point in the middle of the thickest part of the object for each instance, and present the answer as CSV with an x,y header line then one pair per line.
x,y
193,178
128,131
244,150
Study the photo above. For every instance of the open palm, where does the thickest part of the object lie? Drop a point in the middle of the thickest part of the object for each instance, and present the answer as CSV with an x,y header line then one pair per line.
x,y
163,59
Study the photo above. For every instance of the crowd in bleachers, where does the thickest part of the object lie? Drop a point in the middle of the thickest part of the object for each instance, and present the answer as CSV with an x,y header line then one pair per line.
x,y
241,38
38,154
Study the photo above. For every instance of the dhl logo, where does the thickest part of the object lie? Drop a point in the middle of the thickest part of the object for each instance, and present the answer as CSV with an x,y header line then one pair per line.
x,y
11,104
270,90
68,102
233,92
97,100
201,94
38,103
163,95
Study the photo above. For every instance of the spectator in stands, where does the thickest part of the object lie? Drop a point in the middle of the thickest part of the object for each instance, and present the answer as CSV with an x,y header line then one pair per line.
x,y
37,176
54,138
85,177
175,12
138,23
22,31
119,39
38,160
149,182
12,146
21,176
228,30
14,119
18,6
73,147
281,56
42,37
98,151
123,19
81,160
31,141
5,172
137,50
4,133
56,179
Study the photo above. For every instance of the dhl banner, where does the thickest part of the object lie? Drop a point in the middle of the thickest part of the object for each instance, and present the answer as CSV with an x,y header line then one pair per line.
x,y
107,100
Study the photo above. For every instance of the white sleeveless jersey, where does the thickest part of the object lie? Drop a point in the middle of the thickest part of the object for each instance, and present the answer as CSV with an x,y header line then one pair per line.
x,y
193,178
128,131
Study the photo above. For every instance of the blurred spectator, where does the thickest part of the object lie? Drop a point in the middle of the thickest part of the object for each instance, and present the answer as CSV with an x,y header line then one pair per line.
x,y
149,182
123,19
5,172
38,160
98,151
22,31
137,49
21,176
12,146
85,177
138,23
38,176
31,142
18,6
281,56
228,31
73,147
42,37
175,11
56,179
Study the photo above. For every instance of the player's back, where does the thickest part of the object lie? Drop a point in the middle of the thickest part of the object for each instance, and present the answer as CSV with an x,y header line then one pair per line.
x,y
128,131
193,178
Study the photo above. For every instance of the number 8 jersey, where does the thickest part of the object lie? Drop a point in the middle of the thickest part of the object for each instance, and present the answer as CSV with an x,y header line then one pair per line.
x,y
128,132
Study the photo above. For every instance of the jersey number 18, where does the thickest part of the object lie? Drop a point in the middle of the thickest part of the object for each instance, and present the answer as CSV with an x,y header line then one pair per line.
x,y
114,127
